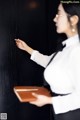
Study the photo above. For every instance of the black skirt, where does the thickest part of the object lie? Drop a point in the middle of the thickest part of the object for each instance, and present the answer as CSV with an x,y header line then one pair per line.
x,y
72,115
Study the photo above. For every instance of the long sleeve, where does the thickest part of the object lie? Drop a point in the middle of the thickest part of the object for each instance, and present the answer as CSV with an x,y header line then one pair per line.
x,y
40,58
66,103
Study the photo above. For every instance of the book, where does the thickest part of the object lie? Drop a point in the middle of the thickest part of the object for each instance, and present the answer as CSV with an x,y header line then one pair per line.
x,y
24,93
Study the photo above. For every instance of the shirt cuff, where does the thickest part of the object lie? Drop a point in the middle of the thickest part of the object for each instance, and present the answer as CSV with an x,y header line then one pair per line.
x,y
58,107
33,54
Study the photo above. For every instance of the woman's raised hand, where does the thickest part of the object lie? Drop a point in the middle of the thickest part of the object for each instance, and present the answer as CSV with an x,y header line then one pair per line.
x,y
23,46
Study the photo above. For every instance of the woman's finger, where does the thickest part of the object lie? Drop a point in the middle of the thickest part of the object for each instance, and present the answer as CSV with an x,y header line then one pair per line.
x,y
35,95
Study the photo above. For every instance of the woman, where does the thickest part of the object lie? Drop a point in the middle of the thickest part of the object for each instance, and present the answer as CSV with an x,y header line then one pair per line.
x,y
63,72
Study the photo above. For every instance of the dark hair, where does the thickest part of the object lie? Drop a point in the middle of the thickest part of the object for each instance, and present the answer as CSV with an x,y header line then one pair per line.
x,y
73,9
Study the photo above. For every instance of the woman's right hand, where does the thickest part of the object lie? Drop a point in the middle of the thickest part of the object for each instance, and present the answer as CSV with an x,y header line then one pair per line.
x,y
23,46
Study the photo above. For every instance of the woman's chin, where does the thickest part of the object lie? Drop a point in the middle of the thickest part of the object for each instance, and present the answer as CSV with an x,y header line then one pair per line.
x,y
58,31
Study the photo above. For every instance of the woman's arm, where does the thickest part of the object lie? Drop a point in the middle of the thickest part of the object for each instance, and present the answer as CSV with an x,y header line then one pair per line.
x,y
35,55
23,46
61,104
40,59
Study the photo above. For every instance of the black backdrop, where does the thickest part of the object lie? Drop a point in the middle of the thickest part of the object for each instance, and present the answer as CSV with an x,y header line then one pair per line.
x,y
30,20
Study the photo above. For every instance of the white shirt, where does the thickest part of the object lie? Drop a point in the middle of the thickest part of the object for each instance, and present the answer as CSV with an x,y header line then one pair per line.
x,y
63,75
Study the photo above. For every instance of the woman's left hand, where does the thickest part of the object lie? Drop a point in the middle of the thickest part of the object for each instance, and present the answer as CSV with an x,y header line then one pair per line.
x,y
41,100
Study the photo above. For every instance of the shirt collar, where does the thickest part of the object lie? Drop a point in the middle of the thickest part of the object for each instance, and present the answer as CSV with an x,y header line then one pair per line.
x,y
71,41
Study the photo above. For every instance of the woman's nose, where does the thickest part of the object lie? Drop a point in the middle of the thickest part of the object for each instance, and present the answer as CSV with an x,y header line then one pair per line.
x,y
55,19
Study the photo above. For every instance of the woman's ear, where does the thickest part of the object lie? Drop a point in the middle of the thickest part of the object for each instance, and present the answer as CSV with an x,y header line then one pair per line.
x,y
74,19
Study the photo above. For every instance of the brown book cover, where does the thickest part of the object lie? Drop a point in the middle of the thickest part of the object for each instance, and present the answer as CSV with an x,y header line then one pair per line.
x,y
24,93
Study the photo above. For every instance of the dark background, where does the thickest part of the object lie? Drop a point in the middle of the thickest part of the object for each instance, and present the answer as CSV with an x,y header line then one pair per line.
x,y
31,21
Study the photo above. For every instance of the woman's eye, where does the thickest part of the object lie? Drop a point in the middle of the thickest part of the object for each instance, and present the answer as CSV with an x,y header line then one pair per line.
x,y
58,13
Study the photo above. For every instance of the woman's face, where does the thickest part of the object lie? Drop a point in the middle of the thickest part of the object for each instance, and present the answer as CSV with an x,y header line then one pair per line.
x,y
61,20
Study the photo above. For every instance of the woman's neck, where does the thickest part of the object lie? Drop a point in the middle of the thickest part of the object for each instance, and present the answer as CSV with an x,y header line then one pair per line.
x,y
71,34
